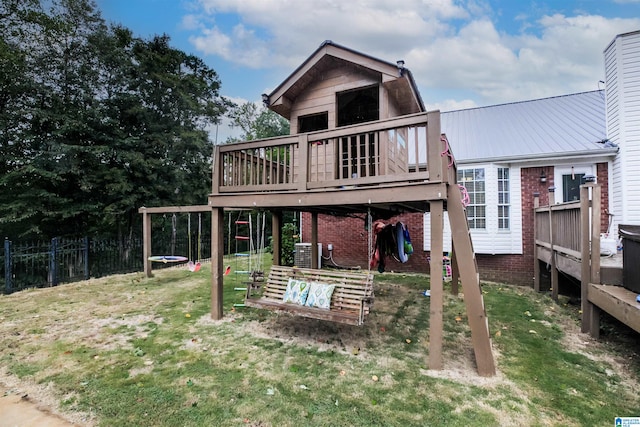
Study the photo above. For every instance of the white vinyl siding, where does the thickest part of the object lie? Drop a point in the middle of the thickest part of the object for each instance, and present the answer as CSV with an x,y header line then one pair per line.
x,y
623,125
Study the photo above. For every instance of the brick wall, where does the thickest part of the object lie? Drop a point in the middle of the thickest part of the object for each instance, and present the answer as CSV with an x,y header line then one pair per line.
x,y
603,179
349,237
530,185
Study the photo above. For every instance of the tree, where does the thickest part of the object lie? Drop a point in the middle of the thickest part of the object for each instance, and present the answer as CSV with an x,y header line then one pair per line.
x,y
257,122
97,122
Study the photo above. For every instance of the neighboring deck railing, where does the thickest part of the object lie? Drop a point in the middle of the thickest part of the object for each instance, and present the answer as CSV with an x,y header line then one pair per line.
x,y
393,150
559,225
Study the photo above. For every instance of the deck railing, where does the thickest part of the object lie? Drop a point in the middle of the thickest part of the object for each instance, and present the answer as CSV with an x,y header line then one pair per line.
x,y
373,153
559,224
567,238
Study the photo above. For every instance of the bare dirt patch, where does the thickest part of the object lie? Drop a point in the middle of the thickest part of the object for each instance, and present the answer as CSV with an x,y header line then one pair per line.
x,y
25,405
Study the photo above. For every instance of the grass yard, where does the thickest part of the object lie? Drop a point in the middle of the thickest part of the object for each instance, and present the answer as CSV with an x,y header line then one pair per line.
x,y
130,351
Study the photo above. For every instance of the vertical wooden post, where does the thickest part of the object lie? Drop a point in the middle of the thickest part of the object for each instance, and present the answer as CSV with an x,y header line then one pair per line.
x,y
146,242
554,271
217,260
276,236
596,206
216,170
536,261
436,299
585,250
314,240
303,171
455,270
434,147
591,313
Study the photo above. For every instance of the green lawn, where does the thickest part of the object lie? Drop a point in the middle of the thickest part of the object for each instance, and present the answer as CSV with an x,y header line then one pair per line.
x,y
130,351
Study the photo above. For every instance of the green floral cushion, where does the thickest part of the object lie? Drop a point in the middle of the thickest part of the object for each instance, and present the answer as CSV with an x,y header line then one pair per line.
x,y
320,295
296,292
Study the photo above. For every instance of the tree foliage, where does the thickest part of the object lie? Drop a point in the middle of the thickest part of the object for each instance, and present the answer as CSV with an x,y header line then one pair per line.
x,y
256,122
95,123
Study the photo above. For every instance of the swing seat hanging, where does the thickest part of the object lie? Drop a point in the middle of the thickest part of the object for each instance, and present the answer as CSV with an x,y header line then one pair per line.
x,y
349,303
167,258
194,266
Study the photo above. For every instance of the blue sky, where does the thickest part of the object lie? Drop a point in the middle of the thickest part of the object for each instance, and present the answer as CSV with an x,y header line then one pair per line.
x,y
462,53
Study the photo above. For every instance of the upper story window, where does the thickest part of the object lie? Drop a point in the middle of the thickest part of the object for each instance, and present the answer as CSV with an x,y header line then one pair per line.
x,y
473,180
358,106
503,199
313,122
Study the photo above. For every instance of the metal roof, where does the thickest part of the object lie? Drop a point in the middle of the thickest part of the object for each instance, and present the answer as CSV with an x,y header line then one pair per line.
x,y
560,126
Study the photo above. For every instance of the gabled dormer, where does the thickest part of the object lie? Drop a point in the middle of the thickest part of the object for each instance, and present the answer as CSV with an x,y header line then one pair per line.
x,y
337,86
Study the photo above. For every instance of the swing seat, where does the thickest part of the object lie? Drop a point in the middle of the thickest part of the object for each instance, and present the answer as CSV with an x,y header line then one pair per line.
x,y
351,299
167,258
194,266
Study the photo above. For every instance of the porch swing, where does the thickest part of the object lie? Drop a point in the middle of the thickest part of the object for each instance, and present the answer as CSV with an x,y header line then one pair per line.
x,y
333,295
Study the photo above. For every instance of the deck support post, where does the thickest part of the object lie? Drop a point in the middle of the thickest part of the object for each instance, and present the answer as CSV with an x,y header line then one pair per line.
x,y
596,206
585,250
314,240
436,299
594,319
276,236
590,253
217,261
146,242
554,267
536,261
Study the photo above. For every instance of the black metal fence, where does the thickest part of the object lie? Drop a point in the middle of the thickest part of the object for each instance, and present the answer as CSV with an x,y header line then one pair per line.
x,y
61,260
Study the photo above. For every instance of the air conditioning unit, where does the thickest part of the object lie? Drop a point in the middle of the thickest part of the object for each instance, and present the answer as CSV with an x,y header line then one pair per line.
x,y
302,256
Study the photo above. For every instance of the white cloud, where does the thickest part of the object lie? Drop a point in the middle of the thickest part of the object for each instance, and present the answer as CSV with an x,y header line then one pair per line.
x,y
190,22
451,105
447,44
241,46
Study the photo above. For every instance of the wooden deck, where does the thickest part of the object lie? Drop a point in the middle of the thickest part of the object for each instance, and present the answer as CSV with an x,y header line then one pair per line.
x,y
388,166
617,301
567,239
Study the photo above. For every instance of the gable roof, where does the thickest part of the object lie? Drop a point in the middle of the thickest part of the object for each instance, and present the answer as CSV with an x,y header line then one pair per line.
x,y
569,125
398,80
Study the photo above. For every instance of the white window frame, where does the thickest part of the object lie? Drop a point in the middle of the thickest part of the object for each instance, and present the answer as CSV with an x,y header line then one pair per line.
x,y
505,204
492,240
560,171
473,221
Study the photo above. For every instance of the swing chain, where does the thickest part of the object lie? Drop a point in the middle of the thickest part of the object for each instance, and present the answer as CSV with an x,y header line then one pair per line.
x,y
370,239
